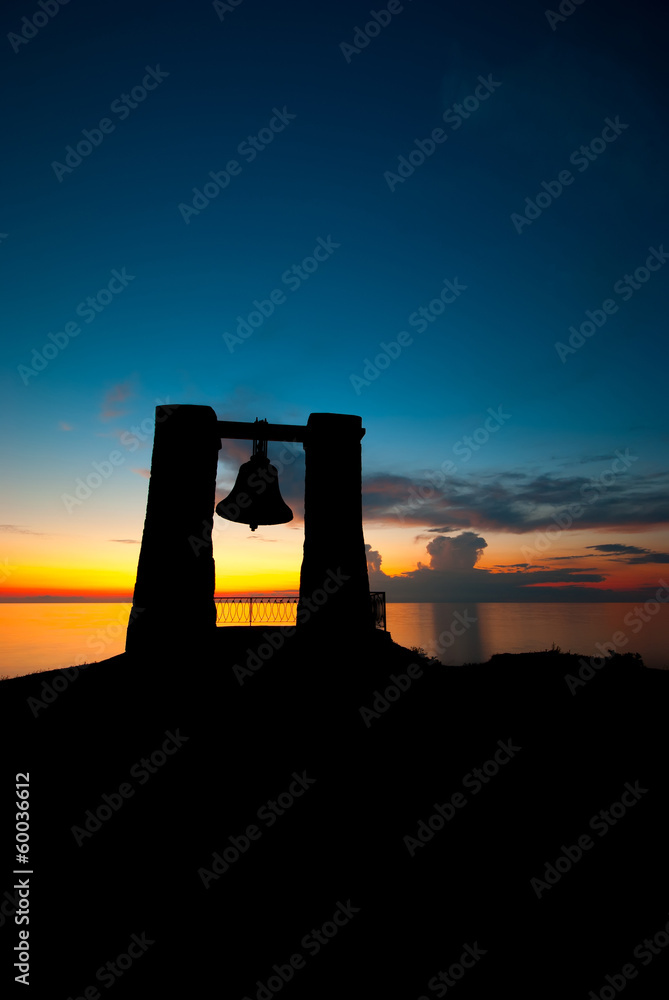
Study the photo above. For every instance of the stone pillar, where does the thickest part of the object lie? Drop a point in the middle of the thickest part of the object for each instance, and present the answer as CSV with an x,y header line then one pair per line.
x,y
334,565
173,605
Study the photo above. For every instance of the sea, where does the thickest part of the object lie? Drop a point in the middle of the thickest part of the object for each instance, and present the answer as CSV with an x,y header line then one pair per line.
x,y
48,636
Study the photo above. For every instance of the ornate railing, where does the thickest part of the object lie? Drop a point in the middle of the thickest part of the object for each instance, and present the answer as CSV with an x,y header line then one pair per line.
x,y
256,610
279,610
378,599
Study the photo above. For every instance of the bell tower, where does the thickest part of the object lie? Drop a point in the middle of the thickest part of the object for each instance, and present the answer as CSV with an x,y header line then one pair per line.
x,y
173,603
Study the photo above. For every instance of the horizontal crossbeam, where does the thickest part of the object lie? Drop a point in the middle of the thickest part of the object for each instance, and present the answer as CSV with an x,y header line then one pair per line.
x,y
247,431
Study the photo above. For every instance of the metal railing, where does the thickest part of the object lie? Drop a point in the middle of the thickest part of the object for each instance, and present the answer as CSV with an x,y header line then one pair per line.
x,y
378,599
256,610
261,610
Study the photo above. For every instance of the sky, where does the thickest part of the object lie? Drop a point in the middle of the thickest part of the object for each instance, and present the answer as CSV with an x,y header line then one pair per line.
x,y
445,218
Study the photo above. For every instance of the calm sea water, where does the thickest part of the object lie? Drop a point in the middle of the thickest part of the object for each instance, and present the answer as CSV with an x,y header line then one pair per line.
x,y
48,636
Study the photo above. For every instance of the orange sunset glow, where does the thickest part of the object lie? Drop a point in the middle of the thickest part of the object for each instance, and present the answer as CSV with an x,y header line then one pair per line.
x,y
269,560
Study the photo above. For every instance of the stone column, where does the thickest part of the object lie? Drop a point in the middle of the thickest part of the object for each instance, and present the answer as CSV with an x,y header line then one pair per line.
x,y
334,585
173,606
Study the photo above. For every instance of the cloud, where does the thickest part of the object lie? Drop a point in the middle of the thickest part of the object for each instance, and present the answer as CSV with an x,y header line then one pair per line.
x,y
373,559
517,504
631,555
452,576
117,394
18,529
125,541
146,473
461,552
65,427
627,549
652,557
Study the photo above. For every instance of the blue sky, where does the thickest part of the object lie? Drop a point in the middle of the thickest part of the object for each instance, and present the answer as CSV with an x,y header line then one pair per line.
x,y
345,120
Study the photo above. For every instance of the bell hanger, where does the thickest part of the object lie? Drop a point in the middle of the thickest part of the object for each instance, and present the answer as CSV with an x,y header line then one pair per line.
x,y
255,498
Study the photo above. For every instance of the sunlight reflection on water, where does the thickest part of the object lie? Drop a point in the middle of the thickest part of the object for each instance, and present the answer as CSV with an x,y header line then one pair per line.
x,y
48,636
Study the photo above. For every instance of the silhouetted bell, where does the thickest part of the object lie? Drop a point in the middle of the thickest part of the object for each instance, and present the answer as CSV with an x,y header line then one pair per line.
x,y
255,498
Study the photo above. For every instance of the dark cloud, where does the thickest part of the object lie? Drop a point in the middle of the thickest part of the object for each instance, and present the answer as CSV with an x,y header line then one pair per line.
x,y
125,541
650,557
631,555
628,549
452,576
520,504
461,552
381,491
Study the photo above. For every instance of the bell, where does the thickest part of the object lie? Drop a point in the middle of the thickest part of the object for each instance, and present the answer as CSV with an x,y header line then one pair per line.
x,y
255,498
